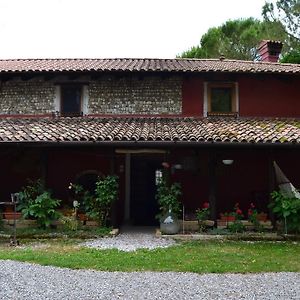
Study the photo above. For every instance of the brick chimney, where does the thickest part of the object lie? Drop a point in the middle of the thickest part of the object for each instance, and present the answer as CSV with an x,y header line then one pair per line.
x,y
269,51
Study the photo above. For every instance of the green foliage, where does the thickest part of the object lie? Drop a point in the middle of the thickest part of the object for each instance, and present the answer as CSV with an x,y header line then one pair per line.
x,y
36,203
81,195
292,57
168,197
42,208
286,12
253,218
236,226
236,39
106,193
287,210
70,223
202,214
29,193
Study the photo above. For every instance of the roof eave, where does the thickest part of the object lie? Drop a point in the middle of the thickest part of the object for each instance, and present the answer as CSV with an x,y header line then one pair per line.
x,y
150,144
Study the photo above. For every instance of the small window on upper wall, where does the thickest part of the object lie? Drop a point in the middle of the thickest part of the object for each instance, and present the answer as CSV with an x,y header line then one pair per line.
x,y
71,100
221,99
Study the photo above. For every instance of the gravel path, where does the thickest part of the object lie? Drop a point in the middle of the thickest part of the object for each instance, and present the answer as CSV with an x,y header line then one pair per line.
x,y
28,281
130,241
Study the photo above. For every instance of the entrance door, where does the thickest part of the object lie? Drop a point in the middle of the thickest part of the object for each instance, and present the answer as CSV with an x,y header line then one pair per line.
x,y
143,205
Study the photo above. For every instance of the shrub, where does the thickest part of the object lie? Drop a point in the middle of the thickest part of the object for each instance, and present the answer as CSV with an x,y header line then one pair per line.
x,y
36,203
82,196
106,193
287,209
70,223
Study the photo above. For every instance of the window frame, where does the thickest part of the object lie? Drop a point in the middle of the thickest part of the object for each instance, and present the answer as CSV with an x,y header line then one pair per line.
x,y
71,114
208,98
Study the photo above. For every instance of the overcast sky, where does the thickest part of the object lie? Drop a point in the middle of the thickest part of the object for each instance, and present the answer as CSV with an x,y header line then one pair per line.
x,y
111,28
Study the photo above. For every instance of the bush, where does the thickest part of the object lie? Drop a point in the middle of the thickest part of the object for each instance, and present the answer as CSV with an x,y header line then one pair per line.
x,y
106,193
70,223
287,209
36,203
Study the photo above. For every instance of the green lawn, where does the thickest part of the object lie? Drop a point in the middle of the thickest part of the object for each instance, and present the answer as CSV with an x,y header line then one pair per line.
x,y
197,256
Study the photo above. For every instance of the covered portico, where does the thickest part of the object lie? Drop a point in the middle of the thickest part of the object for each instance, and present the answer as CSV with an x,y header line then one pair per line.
x,y
64,150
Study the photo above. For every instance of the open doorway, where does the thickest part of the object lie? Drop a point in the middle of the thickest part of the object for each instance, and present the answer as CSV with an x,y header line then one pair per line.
x,y
143,204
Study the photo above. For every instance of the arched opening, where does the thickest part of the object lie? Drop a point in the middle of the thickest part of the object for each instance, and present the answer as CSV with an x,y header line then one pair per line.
x,y
87,180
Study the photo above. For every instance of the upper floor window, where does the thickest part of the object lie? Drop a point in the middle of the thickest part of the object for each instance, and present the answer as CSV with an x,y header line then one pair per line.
x,y
70,100
221,99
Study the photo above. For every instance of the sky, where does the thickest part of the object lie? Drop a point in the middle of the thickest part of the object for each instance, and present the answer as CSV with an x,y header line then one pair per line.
x,y
112,28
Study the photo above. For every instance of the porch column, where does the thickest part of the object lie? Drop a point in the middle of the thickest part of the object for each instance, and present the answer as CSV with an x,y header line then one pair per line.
x,y
212,185
127,186
112,162
44,166
114,205
271,183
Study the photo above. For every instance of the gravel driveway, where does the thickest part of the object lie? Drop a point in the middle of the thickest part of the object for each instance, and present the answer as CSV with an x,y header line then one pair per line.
x,y
130,241
28,281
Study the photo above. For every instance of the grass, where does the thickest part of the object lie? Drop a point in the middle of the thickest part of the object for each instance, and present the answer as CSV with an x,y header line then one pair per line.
x,y
196,256
37,233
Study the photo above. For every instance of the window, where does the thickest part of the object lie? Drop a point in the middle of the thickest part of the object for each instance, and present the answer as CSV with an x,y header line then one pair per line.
x,y
71,100
221,99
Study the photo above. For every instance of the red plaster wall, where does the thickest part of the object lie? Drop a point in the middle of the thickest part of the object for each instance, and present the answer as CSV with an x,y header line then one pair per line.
x,y
16,167
192,97
259,96
269,97
245,181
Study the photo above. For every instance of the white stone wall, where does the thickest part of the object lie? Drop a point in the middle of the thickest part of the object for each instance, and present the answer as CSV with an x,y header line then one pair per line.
x,y
26,97
108,95
129,95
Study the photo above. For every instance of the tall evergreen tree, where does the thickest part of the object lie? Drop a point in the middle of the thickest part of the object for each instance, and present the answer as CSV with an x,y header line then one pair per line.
x,y
236,39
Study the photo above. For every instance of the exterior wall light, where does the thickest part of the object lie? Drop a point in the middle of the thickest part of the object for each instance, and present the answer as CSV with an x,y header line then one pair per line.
x,y
177,167
227,162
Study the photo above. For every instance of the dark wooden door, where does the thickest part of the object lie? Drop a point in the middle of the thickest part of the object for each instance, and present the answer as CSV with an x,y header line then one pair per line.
x,y
143,205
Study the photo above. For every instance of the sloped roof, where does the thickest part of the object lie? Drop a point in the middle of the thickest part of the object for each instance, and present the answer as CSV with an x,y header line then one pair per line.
x,y
144,65
150,129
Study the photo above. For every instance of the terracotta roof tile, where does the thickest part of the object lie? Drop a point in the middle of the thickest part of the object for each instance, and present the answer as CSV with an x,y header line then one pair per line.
x,y
224,130
144,65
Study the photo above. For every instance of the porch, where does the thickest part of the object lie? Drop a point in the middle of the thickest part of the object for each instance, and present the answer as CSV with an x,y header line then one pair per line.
x,y
199,169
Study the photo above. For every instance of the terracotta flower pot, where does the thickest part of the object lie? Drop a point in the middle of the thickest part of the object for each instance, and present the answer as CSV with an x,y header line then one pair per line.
x,y
227,218
263,217
12,215
82,216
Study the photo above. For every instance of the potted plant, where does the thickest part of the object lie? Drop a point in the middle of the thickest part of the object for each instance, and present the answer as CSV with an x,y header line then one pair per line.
x,y
38,204
237,225
227,217
169,205
202,215
82,198
255,217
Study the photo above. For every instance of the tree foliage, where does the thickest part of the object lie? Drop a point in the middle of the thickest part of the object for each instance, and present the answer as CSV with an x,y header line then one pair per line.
x,y
292,57
287,12
236,39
